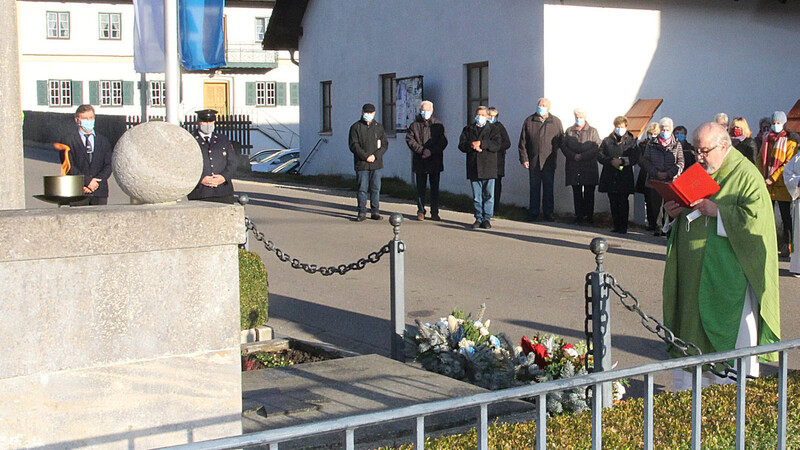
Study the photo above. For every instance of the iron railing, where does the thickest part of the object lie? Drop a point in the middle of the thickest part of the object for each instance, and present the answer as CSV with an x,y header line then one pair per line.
x,y
349,425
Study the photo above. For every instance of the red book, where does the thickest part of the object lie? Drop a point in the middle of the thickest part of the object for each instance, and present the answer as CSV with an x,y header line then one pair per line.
x,y
692,185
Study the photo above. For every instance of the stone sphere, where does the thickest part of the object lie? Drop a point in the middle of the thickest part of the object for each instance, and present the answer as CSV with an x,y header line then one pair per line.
x,y
157,162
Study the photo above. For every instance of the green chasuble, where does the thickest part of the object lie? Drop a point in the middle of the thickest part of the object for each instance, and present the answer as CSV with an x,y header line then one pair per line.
x,y
706,275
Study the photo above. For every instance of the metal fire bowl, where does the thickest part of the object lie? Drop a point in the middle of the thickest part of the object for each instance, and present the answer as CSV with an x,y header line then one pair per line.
x,y
63,186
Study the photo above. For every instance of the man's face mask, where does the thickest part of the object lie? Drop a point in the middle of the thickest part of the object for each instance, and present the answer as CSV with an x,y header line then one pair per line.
x,y
207,128
87,125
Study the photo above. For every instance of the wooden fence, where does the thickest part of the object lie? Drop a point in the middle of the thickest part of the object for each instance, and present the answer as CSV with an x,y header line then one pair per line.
x,y
235,127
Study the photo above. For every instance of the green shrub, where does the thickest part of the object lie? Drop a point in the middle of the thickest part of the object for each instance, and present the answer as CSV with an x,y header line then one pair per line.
x,y
253,290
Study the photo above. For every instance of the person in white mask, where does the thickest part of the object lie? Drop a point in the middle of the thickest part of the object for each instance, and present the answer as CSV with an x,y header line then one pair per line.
x,y
219,161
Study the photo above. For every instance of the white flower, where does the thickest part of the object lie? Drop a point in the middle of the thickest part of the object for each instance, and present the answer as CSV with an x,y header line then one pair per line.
x,y
465,343
484,331
618,390
571,352
452,323
486,324
477,324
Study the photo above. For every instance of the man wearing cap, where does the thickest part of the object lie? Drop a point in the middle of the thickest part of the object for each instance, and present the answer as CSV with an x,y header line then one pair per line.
x,y
777,148
368,144
219,161
90,156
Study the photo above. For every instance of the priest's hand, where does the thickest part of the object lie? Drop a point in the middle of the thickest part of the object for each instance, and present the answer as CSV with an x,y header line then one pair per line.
x,y
769,181
673,208
706,207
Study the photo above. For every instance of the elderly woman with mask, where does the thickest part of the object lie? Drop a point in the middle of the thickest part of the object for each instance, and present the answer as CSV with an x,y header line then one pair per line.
x,y
662,161
618,154
777,148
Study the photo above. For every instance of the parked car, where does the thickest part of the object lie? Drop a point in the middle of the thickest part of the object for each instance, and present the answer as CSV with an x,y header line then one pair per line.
x,y
281,162
264,156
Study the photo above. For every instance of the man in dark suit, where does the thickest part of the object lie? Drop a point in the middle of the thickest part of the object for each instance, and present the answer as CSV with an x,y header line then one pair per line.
x,y
90,156
219,161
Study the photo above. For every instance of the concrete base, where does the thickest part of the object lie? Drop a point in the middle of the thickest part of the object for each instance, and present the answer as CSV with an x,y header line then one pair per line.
x,y
136,318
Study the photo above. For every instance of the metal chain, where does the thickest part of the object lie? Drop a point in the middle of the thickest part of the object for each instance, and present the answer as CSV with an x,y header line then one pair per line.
x,y
687,348
341,269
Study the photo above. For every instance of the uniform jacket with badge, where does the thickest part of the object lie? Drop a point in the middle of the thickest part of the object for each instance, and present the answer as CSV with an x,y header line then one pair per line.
x,y
367,139
583,143
100,167
481,165
427,135
219,158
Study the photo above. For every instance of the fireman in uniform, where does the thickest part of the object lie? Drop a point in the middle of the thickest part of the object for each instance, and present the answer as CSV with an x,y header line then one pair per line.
x,y
219,161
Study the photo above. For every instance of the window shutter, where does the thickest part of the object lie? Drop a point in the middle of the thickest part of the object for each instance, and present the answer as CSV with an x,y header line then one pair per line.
x,y
250,93
146,87
77,92
41,92
127,92
294,94
94,92
280,94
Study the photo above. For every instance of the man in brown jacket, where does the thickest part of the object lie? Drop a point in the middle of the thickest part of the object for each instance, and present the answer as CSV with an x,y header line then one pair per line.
x,y
427,142
539,142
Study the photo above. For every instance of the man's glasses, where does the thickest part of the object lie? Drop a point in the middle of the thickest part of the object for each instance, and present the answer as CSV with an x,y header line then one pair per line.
x,y
704,151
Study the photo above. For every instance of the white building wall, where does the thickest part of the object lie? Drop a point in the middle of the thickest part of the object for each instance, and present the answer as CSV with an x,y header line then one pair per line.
x,y
700,57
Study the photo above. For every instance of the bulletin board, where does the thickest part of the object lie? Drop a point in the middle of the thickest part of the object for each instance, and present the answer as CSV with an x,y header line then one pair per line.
x,y
408,102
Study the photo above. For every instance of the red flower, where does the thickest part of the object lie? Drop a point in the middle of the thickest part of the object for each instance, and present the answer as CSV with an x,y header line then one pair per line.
x,y
542,358
527,345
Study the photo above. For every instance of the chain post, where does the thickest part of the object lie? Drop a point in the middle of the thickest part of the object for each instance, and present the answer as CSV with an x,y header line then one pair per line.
x,y
243,200
398,303
601,318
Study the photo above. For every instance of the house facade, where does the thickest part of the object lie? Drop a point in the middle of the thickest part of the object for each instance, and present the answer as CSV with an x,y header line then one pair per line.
x,y
76,52
701,58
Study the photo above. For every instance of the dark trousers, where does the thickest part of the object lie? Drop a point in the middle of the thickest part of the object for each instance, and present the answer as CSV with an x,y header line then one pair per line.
x,y
422,179
369,185
619,210
785,209
583,199
498,189
653,203
91,201
541,189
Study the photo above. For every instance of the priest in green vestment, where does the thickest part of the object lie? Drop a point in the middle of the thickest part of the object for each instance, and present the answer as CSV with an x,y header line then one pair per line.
x,y
721,275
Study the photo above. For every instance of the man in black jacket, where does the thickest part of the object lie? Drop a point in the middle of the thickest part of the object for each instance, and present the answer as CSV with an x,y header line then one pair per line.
x,y
219,161
368,144
501,154
480,140
90,156
427,142
539,142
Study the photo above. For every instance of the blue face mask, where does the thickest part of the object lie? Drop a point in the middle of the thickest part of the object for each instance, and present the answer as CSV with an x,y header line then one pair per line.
x,y
87,125
680,137
480,120
777,127
580,122
368,117
620,131
664,135
426,114
541,110
492,119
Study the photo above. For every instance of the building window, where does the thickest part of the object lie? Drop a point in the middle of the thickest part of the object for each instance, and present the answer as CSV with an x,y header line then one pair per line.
x,y
261,27
326,107
388,102
265,93
57,25
60,92
110,25
110,93
477,87
158,93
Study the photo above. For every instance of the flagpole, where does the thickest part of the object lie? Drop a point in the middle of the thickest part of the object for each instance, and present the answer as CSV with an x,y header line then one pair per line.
x,y
172,69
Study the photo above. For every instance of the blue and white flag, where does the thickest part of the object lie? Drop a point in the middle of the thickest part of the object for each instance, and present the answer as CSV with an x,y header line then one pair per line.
x,y
201,38
148,36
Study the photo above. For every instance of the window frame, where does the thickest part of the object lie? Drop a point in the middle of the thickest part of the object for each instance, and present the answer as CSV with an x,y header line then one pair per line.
x,y
482,98
59,31
157,93
59,92
326,110
110,30
265,22
266,93
389,107
111,93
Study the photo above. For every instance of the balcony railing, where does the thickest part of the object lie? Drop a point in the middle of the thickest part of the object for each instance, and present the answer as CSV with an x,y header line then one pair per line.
x,y
249,54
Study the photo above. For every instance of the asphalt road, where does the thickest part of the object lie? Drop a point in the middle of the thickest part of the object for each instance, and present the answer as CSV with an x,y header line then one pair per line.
x,y
531,276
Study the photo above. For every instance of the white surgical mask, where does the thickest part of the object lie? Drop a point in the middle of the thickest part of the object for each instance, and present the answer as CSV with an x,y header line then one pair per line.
x,y
207,128
777,127
492,119
480,120
580,122
87,125
426,114
541,110
620,131
368,117
664,135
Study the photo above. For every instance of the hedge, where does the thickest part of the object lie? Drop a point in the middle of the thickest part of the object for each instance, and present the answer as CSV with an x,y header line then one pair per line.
x,y
253,290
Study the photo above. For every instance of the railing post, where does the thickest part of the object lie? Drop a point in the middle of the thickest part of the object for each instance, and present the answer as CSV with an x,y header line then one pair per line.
x,y
601,318
397,268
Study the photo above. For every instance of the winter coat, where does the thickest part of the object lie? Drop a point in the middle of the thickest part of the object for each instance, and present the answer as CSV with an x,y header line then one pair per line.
x,y
539,139
748,148
427,134
777,190
481,165
612,179
368,140
583,145
505,144
662,158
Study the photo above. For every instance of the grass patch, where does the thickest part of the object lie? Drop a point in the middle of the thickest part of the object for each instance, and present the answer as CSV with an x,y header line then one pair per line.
x,y
623,423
